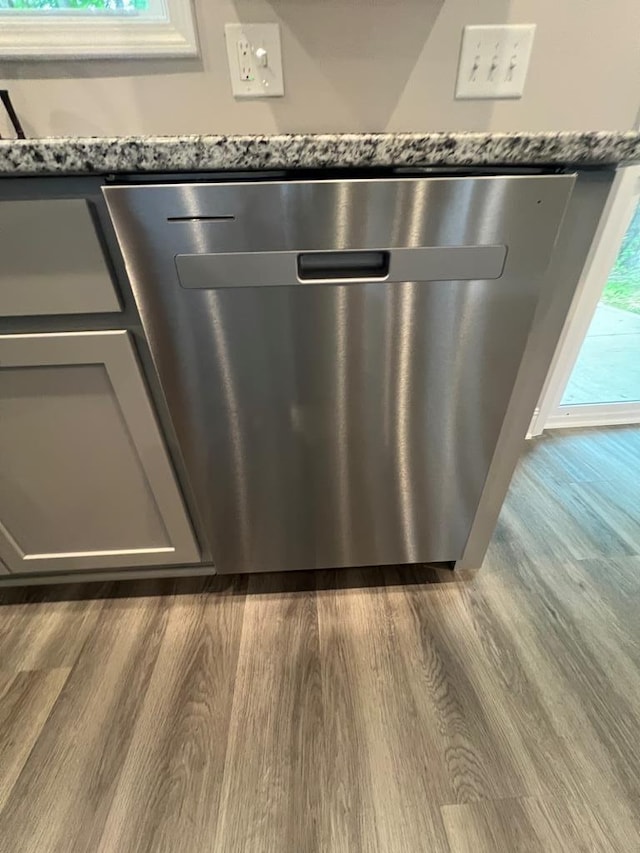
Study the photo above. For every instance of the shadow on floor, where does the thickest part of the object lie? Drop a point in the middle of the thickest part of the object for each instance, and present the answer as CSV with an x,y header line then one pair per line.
x,y
367,577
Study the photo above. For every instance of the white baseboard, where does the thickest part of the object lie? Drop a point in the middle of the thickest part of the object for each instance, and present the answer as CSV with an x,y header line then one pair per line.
x,y
598,415
535,428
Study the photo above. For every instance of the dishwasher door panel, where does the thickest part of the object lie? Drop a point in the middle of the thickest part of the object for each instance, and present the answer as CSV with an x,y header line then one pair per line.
x,y
337,423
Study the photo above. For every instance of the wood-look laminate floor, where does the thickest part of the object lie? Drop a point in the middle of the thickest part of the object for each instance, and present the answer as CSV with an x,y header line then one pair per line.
x,y
349,711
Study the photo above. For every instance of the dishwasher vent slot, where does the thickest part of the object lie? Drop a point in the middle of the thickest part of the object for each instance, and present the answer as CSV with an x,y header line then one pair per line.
x,y
223,217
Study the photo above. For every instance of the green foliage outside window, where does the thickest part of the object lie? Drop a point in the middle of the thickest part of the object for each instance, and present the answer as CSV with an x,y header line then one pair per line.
x,y
76,5
623,286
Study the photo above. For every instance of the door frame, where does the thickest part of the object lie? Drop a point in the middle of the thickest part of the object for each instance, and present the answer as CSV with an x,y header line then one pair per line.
x,y
623,199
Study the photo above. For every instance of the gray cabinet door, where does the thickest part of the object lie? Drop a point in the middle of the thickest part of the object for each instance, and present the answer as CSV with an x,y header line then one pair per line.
x,y
85,479
52,261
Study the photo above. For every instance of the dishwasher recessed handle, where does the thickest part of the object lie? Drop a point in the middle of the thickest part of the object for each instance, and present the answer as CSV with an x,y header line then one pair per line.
x,y
320,266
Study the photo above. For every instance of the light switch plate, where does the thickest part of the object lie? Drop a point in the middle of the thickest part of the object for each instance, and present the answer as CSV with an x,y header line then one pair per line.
x,y
494,61
255,60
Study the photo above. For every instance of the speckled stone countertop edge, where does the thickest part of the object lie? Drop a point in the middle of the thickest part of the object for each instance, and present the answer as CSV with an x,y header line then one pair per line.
x,y
127,154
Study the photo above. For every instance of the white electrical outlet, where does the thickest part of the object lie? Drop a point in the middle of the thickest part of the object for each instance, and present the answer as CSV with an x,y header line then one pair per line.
x,y
245,64
255,60
494,61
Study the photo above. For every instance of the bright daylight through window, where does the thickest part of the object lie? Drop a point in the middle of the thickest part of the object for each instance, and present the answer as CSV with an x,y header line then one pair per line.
x,y
87,6
85,29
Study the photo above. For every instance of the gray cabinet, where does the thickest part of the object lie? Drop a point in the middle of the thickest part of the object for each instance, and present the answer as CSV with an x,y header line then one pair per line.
x,y
52,260
85,479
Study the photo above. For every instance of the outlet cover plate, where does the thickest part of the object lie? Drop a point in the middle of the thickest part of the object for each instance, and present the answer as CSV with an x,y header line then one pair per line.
x,y
494,60
249,77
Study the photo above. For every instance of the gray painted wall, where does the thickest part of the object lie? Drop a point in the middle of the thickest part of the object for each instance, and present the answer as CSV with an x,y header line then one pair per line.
x,y
352,65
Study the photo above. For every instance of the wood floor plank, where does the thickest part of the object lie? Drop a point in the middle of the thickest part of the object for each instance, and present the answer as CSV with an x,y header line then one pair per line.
x,y
272,784
26,700
575,462
608,630
524,825
447,667
573,456
600,740
583,828
61,799
388,765
45,628
618,585
571,762
175,760
349,807
588,655
556,521
516,825
521,751
614,503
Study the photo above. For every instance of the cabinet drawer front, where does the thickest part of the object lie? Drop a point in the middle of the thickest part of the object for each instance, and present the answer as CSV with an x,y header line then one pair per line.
x,y
52,260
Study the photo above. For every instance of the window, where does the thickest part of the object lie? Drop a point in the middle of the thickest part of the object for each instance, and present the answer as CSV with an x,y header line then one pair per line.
x,y
117,6
78,29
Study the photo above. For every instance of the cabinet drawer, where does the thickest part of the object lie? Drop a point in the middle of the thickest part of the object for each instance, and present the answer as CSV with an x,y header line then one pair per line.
x,y
51,260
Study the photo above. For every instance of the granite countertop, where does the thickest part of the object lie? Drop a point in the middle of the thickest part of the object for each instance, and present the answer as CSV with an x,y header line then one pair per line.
x,y
74,156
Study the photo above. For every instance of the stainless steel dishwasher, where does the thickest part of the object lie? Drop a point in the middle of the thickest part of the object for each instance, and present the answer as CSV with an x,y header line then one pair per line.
x,y
337,356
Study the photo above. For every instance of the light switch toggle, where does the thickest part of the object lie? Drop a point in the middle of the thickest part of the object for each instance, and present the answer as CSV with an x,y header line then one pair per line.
x,y
263,57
